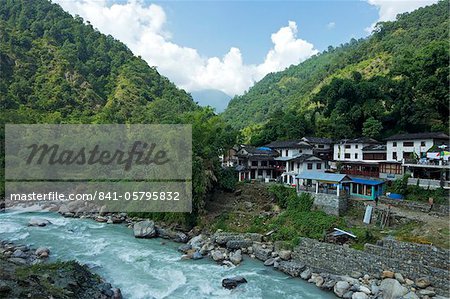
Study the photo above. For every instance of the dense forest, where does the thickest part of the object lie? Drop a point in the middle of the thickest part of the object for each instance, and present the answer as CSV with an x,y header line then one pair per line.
x,y
58,69
396,80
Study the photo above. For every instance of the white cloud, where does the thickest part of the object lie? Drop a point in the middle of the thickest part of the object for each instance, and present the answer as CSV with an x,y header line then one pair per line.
x,y
331,25
389,9
141,28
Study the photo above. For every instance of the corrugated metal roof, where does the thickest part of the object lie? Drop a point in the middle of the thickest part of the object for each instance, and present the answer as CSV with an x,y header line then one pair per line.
x,y
323,176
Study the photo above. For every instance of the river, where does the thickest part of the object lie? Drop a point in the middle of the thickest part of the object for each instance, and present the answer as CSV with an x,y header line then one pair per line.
x,y
146,268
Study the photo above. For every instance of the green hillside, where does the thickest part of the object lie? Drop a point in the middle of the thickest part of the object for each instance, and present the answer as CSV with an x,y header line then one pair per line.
x,y
397,76
56,69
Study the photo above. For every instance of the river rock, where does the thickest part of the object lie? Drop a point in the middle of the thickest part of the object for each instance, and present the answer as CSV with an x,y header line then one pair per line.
x,y
269,262
238,244
185,248
117,294
306,274
233,282
261,251
364,289
217,255
360,295
42,252
392,289
144,229
19,253
423,282
428,293
38,222
291,267
222,238
236,257
197,255
387,274
340,288
399,277
197,242
101,219
285,254
410,295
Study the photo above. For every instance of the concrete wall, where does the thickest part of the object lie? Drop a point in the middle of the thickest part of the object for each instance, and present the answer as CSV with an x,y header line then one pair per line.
x,y
399,148
417,206
411,260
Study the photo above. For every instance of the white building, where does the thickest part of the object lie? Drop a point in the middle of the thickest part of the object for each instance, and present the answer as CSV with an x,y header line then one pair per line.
x,y
351,149
296,156
403,147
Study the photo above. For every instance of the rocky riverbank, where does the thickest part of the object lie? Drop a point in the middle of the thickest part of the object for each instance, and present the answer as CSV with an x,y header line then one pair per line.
x,y
230,249
26,273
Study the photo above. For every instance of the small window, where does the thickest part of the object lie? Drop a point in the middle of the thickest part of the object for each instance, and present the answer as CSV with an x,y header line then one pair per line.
x,y
394,155
348,146
310,166
347,156
321,146
300,151
254,163
356,155
356,146
422,143
260,172
287,153
408,143
319,165
394,144
263,163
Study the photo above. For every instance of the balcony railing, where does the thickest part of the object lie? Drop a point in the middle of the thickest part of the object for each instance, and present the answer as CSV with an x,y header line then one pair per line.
x,y
361,172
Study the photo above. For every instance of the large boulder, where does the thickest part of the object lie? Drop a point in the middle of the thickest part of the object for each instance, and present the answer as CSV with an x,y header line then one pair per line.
x,y
38,222
285,254
222,238
217,255
233,282
42,252
261,251
236,257
238,244
423,282
392,289
144,229
197,241
340,288
360,295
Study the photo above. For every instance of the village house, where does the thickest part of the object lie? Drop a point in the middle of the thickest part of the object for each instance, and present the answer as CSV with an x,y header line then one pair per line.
x,y
322,147
257,163
296,156
423,155
349,156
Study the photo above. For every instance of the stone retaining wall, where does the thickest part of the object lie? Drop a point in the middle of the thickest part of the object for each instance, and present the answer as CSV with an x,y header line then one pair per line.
x,y
413,261
330,203
417,206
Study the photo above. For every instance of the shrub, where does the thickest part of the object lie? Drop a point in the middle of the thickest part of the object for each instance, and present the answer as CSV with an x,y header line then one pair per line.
x,y
282,194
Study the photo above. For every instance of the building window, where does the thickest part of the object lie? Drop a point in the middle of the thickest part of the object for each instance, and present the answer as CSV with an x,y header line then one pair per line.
x,y
356,146
321,146
319,165
310,166
422,143
298,165
254,163
263,163
348,146
347,156
287,153
408,143
394,155
260,172
300,151
394,144
356,155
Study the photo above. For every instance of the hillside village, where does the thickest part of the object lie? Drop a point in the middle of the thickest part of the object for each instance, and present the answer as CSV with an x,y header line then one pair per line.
x,y
367,164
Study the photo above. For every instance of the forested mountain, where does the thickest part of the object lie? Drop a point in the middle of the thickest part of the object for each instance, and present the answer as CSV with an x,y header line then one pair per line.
x,y
397,79
57,69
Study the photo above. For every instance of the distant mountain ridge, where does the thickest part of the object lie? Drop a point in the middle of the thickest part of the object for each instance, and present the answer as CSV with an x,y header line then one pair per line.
x,y
212,97
392,53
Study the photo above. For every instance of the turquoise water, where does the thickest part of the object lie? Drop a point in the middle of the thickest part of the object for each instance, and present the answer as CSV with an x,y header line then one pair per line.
x,y
144,268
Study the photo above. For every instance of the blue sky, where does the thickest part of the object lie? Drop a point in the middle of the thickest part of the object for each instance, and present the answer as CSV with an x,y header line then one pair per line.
x,y
214,27
230,45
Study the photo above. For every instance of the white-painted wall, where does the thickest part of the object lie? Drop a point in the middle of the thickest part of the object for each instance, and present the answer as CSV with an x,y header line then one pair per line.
x,y
355,148
400,148
292,152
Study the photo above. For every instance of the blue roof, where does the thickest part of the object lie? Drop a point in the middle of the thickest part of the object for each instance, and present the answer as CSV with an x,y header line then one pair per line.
x,y
264,148
323,176
367,182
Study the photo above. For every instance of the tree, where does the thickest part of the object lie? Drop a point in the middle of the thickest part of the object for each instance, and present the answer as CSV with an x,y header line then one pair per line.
x,y
372,128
